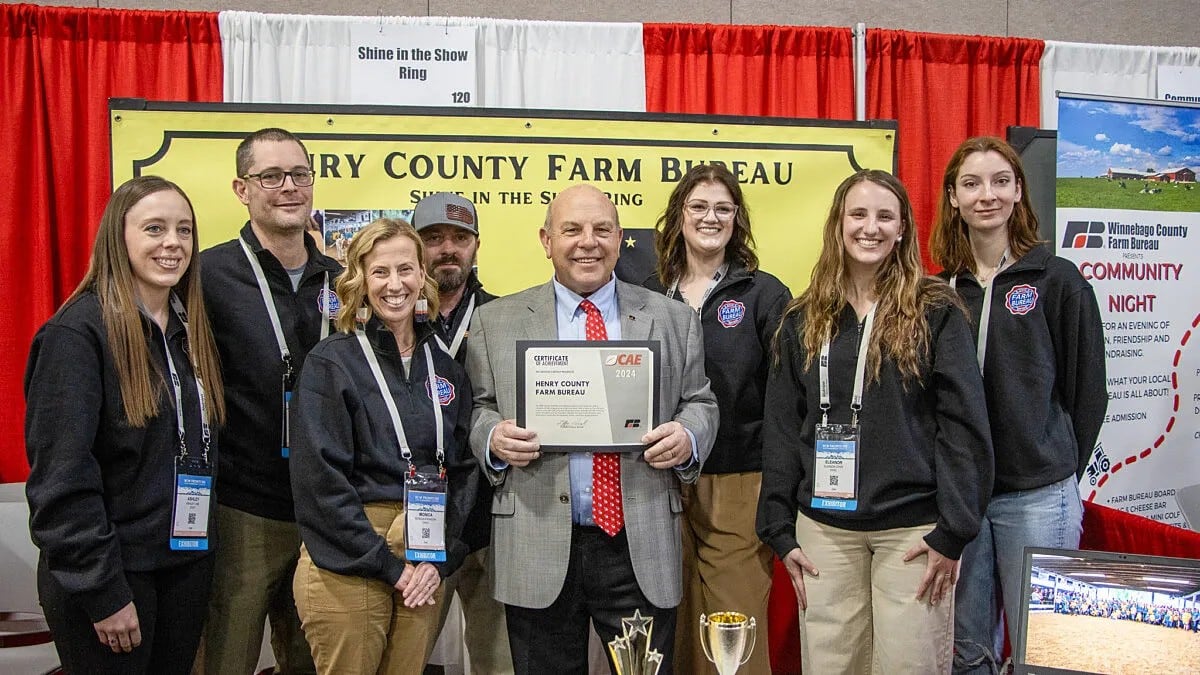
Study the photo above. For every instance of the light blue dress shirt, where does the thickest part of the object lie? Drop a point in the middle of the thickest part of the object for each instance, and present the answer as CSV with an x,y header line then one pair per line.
x,y
572,325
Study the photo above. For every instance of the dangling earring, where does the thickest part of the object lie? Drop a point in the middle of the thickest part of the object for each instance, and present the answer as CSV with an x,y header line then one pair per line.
x,y
422,309
363,314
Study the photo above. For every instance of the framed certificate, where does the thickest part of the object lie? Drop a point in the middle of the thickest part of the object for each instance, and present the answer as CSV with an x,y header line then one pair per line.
x,y
584,396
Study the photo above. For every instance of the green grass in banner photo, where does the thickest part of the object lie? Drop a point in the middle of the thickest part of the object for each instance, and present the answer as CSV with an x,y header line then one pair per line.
x,y
1130,194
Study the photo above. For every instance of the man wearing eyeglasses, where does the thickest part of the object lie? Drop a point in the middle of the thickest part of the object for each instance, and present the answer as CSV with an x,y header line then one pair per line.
x,y
270,297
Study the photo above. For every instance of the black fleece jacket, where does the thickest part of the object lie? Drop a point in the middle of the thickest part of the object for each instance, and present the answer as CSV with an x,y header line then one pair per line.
x,y
448,326
346,453
925,454
477,531
101,491
1044,372
254,471
739,319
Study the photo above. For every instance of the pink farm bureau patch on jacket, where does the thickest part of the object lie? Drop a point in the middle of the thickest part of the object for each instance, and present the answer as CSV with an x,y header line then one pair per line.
x,y
1021,299
445,390
730,313
328,302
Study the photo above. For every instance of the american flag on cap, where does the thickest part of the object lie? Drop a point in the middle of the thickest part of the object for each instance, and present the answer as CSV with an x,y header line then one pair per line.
x,y
460,213
445,208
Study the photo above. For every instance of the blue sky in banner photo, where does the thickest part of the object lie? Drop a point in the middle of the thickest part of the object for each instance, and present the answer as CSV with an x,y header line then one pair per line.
x,y
1094,136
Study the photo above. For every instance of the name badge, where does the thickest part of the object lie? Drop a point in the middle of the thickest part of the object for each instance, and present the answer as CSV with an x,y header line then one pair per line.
x,y
193,492
286,432
285,436
425,517
835,472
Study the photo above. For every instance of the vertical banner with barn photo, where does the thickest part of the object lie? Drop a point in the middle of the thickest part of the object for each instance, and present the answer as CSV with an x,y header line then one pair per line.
x,y
1128,215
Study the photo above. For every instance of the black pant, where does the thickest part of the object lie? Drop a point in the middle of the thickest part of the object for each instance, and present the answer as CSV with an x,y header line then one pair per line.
x,y
171,607
600,585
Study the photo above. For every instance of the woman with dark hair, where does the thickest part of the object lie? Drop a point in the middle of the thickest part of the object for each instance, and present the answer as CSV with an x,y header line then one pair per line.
x,y
1040,348
123,397
706,259
381,472
876,453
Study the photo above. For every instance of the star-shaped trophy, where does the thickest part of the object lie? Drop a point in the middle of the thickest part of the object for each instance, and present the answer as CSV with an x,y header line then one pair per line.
x,y
631,653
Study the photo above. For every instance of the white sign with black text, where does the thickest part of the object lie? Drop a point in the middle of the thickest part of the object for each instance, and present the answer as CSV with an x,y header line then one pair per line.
x,y
1180,84
413,65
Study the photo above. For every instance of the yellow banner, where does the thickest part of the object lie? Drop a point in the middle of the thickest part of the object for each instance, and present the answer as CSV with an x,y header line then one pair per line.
x,y
511,164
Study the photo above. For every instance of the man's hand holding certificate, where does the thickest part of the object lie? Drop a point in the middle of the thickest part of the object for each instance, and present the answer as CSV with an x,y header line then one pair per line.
x,y
513,445
669,446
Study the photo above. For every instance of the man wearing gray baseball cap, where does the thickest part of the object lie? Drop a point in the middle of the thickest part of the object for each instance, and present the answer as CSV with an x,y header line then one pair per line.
x,y
449,225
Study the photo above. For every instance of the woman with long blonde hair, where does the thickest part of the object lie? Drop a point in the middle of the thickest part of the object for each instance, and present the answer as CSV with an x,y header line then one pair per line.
x,y
1040,348
876,453
383,414
123,394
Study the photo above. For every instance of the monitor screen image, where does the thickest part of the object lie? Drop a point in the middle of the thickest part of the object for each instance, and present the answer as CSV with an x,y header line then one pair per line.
x,y
1095,612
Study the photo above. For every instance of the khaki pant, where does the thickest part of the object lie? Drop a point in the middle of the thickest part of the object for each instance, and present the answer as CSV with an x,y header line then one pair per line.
x,y
252,581
863,615
725,566
486,632
359,625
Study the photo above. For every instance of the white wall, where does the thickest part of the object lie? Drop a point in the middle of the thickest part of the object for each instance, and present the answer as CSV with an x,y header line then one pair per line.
x,y
1130,22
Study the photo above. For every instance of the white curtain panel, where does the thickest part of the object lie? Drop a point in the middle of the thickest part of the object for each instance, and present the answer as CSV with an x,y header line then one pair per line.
x,y
1108,70
281,58
275,58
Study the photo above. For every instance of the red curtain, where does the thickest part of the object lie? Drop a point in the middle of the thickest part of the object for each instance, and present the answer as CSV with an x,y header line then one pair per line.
x,y
1106,529
768,71
943,89
777,71
60,67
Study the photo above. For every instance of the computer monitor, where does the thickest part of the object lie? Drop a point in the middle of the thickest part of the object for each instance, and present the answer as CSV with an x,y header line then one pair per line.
x,y
1038,149
1094,612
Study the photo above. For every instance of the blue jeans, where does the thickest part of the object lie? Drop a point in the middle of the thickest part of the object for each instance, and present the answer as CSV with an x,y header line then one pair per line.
x,y
1049,517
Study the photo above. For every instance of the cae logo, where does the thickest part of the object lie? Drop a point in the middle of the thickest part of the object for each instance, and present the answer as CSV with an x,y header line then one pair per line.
x,y
623,360
1083,234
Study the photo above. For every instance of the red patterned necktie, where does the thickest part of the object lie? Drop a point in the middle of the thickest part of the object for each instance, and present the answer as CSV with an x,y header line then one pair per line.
x,y
606,467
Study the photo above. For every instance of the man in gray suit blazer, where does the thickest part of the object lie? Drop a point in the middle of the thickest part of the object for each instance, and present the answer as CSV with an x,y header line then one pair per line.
x,y
555,569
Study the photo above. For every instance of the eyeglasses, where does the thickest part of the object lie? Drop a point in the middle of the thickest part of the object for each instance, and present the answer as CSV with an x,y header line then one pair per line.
x,y
723,210
272,180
